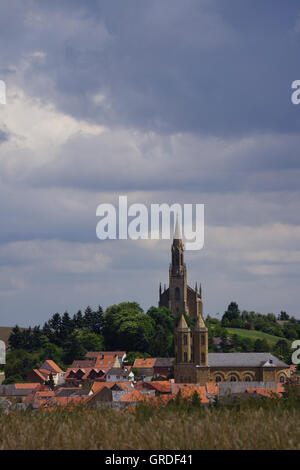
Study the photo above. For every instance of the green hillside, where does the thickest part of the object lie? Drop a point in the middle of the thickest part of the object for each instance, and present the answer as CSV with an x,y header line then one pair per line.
x,y
253,334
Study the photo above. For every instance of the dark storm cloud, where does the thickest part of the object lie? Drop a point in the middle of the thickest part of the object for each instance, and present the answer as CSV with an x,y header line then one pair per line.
x,y
200,66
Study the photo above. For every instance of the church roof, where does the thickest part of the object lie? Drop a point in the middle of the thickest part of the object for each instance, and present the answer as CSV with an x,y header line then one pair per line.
x,y
243,360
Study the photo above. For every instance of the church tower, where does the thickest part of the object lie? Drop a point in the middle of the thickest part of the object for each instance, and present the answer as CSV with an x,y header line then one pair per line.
x,y
177,276
200,343
182,342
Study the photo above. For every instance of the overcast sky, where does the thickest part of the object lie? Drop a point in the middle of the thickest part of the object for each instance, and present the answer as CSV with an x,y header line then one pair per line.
x,y
183,101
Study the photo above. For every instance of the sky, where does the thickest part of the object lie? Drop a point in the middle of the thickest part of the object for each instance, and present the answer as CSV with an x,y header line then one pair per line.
x,y
167,101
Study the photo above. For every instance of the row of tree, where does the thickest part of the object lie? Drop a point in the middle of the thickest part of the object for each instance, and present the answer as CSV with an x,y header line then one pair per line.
x,y
283,325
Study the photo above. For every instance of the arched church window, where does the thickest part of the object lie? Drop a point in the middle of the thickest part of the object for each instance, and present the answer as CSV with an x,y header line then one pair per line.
x,y
232,378
281,378
218,378
247,378
203,340
177,293
185,340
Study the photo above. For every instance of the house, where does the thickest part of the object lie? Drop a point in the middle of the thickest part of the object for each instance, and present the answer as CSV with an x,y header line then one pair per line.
x,y
38,398
229,391
107,361
187,390
93,355
48,368
145,367
55,402
77,375
162,366
117,399
116,374
118,386
18,390
73,392
55,370
160,387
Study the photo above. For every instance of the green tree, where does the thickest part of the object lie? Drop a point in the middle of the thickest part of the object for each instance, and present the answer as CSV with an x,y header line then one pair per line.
x,y
162,342
131,356
261,345
16,338
282,351
231,314
127,327
283,316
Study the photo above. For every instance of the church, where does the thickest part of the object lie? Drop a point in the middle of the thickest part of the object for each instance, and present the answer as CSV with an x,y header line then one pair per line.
x,y
193,362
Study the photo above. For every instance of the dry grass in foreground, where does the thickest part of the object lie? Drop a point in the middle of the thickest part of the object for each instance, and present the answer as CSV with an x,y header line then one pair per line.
x,y
247,427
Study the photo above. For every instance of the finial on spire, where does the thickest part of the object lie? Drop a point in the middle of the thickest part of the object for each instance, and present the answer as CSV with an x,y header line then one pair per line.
x,y
200,291
196,287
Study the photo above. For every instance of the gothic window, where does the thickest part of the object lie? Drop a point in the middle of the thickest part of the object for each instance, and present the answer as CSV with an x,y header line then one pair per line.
x,y
185,357
247,378
232,378
203,340
281,378
185,340
218,378
202,358
177,293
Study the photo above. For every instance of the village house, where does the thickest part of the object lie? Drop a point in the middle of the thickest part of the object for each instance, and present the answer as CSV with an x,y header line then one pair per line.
x,y
47,369
19,391
117,374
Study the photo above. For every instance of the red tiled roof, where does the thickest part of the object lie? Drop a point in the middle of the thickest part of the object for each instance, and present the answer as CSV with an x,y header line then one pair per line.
x,y
135,395
45,372
144,362
187,391
53,366
108,361
66,401
20,386
95,354
97,386
162,386
86,371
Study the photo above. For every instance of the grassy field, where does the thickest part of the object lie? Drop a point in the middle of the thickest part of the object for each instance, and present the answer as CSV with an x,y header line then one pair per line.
x,y
253,334
272,427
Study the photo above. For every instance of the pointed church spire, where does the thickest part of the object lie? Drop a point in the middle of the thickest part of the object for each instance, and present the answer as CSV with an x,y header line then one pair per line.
x,y
177,231
182,323
160,288
200,322
196,287
200,291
